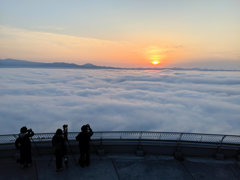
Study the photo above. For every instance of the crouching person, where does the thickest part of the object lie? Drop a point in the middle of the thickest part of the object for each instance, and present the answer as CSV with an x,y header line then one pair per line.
x,y
23,143
59,146
84,145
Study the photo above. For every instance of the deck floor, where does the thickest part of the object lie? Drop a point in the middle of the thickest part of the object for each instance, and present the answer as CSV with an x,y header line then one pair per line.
x,y
123,166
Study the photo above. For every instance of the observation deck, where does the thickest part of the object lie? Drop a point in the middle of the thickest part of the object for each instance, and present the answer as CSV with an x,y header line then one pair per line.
x,y
130,155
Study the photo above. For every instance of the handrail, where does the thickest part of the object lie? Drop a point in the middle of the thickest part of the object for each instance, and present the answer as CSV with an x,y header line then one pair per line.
x,y
138,136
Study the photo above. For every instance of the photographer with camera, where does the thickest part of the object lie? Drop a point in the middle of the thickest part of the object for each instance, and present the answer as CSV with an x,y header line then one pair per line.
x,y
23,143
84,144
60,150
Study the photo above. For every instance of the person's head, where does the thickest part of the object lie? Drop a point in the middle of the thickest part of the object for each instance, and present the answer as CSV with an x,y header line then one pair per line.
x,y
23,129
84,128
59,132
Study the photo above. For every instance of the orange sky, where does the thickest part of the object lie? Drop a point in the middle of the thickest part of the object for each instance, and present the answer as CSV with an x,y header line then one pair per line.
x,y
49,47
125,34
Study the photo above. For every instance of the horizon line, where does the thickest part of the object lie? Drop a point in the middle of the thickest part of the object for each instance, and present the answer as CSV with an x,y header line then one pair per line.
x,y
112,67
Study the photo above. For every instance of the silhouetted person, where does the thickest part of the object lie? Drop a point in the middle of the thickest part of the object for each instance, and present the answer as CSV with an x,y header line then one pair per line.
x,y
65,135
23,143
84,144
59,148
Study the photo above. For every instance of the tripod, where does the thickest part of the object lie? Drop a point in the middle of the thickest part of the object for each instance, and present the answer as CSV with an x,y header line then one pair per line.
x,y
65,134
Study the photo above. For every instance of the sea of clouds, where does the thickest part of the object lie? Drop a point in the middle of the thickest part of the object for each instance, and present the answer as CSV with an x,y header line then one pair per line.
x,y
151,100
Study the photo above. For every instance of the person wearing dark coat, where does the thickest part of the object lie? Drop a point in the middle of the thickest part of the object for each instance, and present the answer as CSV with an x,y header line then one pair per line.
x,y
84,144
23,143
59,145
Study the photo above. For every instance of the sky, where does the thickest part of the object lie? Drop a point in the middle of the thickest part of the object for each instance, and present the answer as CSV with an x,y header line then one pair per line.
x,y
126,33
120,100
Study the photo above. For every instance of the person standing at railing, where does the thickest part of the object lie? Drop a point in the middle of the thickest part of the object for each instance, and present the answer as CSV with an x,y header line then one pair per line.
x,y
59,145
23,143
84,145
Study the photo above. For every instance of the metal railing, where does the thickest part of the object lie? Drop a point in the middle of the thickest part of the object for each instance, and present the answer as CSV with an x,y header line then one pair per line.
x,y
137,135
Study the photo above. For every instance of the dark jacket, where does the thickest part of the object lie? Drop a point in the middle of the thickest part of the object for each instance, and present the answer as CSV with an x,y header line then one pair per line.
x,y
23,141
59,145
84,138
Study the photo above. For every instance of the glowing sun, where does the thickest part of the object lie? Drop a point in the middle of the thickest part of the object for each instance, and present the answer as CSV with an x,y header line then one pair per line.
x,y
155,62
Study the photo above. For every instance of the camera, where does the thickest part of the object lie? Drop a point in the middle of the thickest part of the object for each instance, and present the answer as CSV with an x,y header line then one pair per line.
x,y
65,126
87,127
65,132
29,130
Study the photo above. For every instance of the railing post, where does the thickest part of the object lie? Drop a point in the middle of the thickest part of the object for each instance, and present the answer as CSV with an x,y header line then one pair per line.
x,y
180,137
160,136
101,139
140,135
222,140
15,136
100,150
178,153
219,155
140,151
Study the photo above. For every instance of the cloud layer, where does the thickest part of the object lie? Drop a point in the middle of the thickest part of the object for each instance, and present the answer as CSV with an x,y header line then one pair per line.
x,y
167,100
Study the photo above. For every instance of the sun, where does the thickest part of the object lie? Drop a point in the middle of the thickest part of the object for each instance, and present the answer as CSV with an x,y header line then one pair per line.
x,y
155,62
155,55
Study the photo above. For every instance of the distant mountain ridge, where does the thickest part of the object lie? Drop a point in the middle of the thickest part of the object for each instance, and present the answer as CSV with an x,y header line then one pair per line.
x,y
14,63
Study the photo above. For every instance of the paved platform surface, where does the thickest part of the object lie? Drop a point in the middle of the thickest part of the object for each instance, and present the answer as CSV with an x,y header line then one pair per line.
x,y
123,166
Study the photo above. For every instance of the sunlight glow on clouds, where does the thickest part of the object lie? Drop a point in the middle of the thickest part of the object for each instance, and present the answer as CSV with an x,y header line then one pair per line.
x,y
39,45
51,47
44,46
167,100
